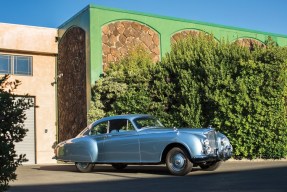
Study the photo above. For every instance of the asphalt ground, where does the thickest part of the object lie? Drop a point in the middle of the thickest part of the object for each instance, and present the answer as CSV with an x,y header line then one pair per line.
x,y
251,176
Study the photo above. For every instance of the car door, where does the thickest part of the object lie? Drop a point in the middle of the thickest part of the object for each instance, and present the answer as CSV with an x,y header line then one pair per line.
x,y
121,143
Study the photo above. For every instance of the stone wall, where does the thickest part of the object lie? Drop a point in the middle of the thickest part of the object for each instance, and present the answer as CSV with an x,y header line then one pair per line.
x,y
184,34
118,38
71,85
248,42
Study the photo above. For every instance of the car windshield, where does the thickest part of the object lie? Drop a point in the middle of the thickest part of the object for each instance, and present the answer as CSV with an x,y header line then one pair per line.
x,y
147,122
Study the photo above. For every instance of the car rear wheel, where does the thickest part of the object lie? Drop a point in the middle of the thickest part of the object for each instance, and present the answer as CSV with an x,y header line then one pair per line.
x,y
211,166
119,166
84,167
177,162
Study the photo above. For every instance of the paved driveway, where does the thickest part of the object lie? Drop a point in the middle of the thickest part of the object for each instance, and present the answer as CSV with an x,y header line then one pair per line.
x,y
263,176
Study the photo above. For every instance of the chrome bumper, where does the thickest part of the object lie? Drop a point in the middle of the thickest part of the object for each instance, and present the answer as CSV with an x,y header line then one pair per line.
x,y
217,156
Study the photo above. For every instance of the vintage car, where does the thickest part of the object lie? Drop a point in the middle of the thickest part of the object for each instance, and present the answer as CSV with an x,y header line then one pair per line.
x,y
142,139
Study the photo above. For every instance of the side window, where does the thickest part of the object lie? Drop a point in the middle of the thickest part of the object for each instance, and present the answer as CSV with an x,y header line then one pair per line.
x,y
130,126
5,64
16,64
100,128
120,125
22,65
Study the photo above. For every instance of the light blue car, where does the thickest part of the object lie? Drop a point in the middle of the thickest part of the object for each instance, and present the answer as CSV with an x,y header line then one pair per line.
x,y
142,139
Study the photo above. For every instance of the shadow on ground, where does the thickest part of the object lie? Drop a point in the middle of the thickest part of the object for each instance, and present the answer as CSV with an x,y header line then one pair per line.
x,y
263,180
153,170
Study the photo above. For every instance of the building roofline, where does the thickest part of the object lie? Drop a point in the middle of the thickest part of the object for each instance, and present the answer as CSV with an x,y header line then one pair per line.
x,y
30,52
30,26
76,15
182,20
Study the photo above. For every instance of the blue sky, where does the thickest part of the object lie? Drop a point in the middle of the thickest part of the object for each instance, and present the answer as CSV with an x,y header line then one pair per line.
x,y
261,15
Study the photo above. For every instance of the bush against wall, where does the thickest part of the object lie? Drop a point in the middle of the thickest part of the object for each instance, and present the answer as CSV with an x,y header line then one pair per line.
x,y
239,92
124,87
203,82
12,130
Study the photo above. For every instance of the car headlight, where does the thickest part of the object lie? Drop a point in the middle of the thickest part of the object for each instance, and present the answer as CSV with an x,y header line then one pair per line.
x,y
206,147
225,145
224,141
206,142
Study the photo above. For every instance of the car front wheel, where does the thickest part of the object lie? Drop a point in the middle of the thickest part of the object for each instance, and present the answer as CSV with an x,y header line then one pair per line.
x,y
84,167
177,162
210,166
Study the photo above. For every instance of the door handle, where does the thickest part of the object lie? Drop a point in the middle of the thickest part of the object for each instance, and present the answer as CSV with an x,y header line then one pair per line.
x,y
107,136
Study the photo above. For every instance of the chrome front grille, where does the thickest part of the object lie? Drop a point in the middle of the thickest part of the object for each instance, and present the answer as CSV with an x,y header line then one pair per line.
x,y
211,136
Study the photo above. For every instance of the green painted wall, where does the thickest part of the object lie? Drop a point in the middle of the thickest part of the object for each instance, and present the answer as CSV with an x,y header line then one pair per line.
x,y
92,18
166,27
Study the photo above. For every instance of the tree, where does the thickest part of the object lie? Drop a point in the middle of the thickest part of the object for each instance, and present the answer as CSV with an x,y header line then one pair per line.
x,y
12,129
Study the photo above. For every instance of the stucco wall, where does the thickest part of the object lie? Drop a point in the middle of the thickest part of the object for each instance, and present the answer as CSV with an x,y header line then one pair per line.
x,y
40,44
28,38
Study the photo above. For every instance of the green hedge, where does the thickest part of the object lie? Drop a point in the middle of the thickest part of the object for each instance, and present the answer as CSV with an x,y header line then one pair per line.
x,y
124,88
203,82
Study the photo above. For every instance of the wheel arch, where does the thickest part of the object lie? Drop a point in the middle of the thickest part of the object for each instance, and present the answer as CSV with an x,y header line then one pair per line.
x,y
172,145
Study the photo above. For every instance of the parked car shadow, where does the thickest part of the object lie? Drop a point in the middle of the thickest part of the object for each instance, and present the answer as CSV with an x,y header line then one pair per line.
x,y
263,179
66,167
147,169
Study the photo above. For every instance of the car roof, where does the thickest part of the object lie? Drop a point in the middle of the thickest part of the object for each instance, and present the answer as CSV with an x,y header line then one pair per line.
x,y
127,116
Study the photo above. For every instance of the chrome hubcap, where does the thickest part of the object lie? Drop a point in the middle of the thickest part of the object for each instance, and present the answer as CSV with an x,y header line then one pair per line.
x,y
83,165
178,162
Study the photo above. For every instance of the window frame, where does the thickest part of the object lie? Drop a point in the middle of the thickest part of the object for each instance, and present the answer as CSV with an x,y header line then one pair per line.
x,y
9,63
29,67
93,126
13,61
128,126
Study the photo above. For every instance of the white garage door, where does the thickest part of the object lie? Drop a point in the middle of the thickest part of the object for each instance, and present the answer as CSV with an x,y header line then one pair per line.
x,y
27,146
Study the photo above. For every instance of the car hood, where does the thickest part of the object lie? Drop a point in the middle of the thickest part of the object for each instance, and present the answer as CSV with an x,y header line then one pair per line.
x,y
198,131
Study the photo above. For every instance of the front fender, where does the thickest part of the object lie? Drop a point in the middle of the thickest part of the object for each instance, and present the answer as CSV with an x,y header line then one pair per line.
x,y
191,142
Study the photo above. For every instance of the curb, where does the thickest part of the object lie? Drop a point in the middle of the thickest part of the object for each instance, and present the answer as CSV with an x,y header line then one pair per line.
x,y
257,160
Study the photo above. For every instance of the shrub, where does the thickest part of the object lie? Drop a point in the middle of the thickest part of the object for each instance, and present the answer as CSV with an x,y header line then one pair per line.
x,y
239,92
12,130
124,87
242,93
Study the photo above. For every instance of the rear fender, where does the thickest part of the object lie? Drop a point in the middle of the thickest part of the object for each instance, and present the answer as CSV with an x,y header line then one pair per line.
x,y
83,149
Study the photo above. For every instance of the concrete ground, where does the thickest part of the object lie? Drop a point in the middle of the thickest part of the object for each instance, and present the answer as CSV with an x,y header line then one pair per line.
x,y
263,176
